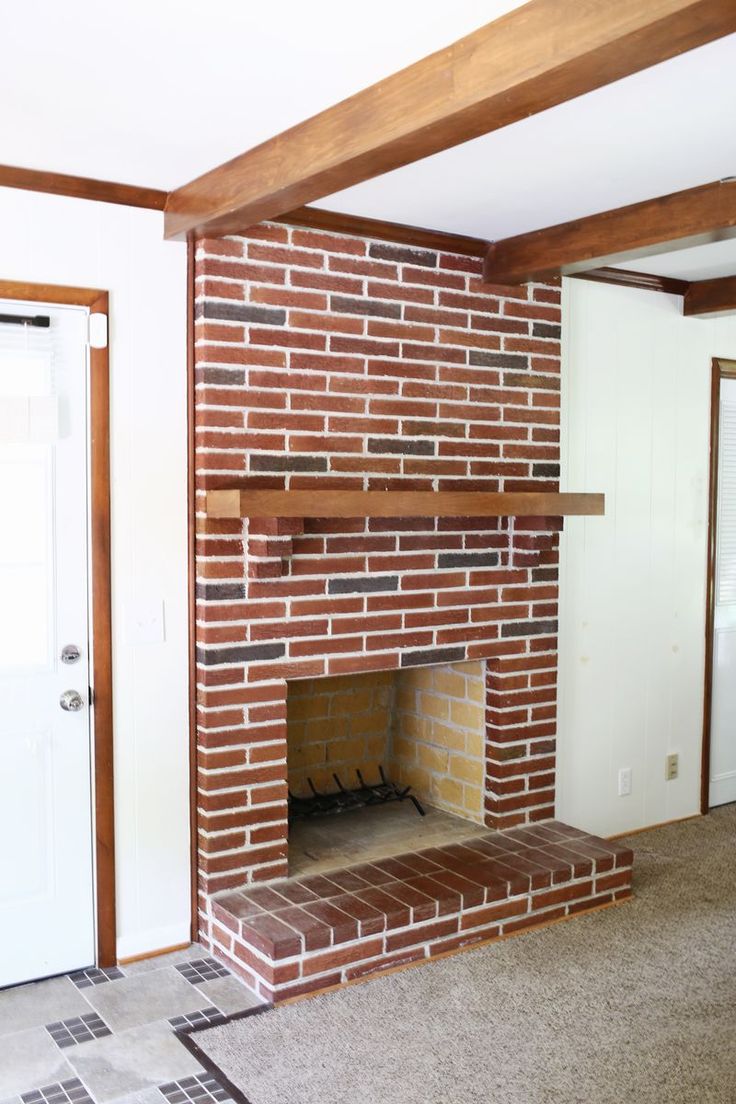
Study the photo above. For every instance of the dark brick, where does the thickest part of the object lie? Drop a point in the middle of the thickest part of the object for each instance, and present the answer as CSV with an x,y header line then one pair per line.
x,y
468,559
344,304
549,471
362,585
404,448
383,251
243,312
239,653
498,360
432,655
283,463
213,592
528,628
546,329
544,574
228,376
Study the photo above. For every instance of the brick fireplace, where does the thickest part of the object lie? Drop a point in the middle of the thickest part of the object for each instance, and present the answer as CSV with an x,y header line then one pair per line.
x,y
331,361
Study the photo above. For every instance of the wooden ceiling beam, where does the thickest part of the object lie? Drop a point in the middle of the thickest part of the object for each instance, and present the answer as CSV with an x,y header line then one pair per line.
x,y
81,187
705,298
319,218
696,216
539,55
644,281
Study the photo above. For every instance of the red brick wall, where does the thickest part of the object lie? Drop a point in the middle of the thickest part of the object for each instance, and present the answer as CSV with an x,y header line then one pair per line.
x,y
331,361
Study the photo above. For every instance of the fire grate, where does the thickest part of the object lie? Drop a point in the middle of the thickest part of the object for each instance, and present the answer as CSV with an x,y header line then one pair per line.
x,y
345,800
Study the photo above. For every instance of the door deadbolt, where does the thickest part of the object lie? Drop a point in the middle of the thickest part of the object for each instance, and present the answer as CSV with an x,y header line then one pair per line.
x,y
70,653
71,702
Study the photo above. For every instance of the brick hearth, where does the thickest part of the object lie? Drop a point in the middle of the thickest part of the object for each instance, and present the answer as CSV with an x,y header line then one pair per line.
x,y
304,934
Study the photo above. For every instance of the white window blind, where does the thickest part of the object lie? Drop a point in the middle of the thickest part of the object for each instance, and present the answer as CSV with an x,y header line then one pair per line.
x,y
28,401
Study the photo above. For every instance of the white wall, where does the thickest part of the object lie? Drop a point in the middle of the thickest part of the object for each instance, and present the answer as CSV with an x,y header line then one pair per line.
x,y
636,425
53,239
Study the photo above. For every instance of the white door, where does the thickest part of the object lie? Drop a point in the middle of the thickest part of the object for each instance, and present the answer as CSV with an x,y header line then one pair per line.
x,y
47,921
723,723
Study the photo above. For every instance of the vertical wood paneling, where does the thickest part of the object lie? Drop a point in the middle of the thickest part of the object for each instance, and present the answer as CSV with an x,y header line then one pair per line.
x,y
636,394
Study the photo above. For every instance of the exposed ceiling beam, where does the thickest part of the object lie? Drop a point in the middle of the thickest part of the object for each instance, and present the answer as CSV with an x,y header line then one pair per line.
x,y
705,298
81,187
318,218
693,217
539,55
645,281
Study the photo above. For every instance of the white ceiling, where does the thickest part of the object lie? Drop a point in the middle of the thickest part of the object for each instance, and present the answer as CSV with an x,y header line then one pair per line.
x,y
154,92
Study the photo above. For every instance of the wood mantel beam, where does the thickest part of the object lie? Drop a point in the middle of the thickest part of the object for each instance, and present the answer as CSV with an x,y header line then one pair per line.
x,y
539,55
340,504
705,298
677,221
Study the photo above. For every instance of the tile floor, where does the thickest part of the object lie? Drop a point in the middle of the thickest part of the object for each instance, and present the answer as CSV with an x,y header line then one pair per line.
x,y
100,1036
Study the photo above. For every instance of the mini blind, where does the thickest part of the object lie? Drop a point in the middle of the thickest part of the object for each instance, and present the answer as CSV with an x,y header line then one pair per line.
x,y
28,401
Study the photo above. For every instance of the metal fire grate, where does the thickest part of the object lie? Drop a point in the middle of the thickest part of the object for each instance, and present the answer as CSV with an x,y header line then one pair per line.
x,y
344,800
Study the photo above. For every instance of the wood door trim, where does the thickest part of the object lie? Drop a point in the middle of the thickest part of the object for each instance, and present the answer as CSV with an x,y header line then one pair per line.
x,y
722,369
192,597
100,578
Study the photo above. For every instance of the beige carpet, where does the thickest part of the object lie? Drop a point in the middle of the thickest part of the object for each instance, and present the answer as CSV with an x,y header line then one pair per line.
x,y
635,1003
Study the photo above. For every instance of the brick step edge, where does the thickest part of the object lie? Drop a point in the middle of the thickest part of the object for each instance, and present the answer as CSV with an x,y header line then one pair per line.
x,y
335,966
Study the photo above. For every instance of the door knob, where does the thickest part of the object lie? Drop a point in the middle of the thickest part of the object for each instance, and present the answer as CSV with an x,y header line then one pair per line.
x,y
71,702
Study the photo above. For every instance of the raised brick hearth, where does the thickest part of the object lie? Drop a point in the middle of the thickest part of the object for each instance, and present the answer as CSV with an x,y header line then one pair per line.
x,y
300,935
332,361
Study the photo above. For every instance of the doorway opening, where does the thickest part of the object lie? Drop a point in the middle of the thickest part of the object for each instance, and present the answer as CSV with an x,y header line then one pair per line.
x,y
718,780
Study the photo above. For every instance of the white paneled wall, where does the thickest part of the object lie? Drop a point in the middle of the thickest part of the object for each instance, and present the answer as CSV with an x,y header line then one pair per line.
x,y
636,424
54,239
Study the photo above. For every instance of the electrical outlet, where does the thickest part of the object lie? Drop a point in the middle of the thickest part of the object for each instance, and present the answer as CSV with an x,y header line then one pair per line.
x,y
624,782
671,766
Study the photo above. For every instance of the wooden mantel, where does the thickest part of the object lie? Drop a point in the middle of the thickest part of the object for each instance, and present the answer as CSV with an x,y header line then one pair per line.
x,y
342,504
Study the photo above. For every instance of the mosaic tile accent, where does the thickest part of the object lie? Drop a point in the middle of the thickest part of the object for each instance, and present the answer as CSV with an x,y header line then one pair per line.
x,y
204,1017
78,1029
83,979
198,970
61,1092
202,1089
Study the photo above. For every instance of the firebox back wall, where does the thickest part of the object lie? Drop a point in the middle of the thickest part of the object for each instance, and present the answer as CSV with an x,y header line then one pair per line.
x,y
326,360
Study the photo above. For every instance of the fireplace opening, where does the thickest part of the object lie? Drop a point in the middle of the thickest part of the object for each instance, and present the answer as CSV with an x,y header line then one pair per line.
x,y
423,727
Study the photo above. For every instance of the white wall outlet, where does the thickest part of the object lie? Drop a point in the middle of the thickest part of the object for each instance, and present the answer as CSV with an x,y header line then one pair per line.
x,y
671,766
624,782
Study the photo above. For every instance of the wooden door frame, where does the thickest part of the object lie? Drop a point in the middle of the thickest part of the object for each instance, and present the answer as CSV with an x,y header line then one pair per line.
x,y
100,578
722,369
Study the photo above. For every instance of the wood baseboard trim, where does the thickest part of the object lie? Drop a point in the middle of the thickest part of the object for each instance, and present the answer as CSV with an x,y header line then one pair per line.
x,y
129,959
652,827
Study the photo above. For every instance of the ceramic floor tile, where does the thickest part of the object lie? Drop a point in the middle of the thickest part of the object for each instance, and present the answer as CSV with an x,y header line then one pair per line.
x,y
39,1003
30,1059
145,1096
229,995
95,976
132,1061
142,999
204,1089
202,969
